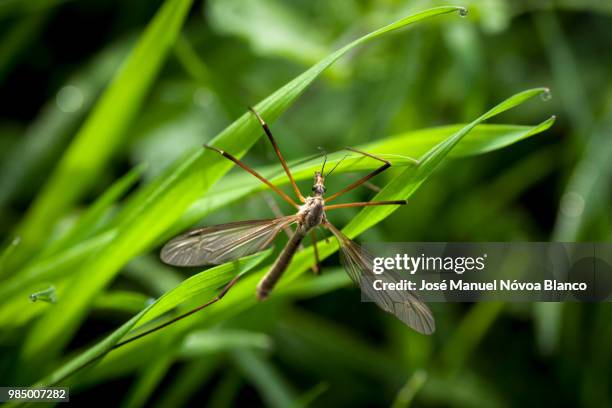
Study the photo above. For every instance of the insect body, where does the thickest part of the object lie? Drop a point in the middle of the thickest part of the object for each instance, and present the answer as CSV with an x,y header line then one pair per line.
x,y
310,215
224,243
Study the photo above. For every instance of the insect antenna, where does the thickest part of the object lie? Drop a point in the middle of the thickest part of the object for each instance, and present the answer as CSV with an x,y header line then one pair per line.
x,y
324,159
337,164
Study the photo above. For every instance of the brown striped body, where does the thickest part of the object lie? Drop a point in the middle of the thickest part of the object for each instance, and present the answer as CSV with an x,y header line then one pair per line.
x,y
268,282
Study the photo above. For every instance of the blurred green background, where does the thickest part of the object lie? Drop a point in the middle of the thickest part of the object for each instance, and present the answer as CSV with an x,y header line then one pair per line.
x,y
315,344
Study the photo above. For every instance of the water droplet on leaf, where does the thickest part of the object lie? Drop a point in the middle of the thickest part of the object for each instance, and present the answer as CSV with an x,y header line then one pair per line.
x,y
463,12
70,99
546,95
572,204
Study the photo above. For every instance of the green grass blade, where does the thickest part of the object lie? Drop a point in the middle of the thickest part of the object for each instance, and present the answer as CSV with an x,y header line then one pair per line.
x,y
226,391
14,291
199,284
53,266
90,220
206,282
207,342
122,301
466,337
151,374
265,378
103,131
6,253
152,275
403,186
568,79
271,28
406,394
309,397
187,382
42,143
576,101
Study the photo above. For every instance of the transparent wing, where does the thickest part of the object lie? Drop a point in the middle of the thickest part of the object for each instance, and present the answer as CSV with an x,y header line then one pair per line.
x,y
223,243
405,305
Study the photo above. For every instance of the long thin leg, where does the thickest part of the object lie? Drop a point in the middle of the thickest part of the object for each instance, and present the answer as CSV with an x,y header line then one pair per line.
x,y
372,187
152,330
367,184
317,268
362,180
217,298
256,174
266,129
364,204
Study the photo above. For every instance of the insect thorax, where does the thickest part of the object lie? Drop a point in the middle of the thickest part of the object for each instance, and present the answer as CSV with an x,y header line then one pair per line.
x,y
312,212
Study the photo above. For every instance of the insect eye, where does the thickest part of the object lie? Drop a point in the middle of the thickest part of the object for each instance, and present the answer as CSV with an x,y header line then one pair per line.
x,y
324,189
314,188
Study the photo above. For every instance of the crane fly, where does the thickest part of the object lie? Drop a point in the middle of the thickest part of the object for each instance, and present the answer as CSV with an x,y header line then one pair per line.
x,y
223,243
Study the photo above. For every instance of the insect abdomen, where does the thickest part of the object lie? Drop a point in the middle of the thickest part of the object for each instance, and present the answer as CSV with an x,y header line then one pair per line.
x,y
268,282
